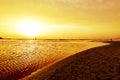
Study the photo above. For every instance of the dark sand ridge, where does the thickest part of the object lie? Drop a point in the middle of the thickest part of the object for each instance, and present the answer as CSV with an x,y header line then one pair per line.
x,y
100,63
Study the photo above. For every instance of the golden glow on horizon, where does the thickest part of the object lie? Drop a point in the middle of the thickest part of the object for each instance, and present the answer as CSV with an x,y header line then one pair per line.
x,y
60,18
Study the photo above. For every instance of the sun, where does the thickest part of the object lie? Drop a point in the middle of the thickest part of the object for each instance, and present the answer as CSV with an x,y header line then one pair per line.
x,y
31,27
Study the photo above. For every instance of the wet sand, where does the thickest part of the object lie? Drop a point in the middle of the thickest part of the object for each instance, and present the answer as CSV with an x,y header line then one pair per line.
x,y
100,63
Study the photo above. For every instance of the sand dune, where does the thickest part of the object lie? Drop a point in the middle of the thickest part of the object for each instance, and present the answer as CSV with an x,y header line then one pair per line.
x,y
101,63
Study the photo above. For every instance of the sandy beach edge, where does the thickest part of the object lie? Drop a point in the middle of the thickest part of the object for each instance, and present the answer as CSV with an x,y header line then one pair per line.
x,y
47,70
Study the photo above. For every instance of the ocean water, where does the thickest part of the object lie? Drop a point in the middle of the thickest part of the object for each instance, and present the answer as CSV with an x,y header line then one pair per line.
x,y
19,58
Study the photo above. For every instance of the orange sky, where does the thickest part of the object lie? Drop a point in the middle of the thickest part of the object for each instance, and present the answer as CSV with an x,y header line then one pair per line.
x,y
62,18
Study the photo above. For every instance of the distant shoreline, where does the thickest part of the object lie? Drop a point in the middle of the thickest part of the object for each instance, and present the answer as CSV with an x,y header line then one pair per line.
x,y
96,40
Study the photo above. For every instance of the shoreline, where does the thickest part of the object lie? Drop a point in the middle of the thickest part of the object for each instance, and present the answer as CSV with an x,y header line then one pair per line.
x,y
27,63
100,44
86,65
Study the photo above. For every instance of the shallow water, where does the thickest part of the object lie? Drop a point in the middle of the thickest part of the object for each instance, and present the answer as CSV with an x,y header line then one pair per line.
x,y
19,58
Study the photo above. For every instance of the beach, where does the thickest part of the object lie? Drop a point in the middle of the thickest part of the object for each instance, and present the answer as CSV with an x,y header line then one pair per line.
x,y
100,63
20,58
59,39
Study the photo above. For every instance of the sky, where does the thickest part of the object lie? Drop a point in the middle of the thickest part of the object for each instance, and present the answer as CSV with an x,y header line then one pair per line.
x,y
60,18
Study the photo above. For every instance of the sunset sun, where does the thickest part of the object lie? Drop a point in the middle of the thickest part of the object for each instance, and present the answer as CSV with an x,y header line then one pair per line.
x,y
31,28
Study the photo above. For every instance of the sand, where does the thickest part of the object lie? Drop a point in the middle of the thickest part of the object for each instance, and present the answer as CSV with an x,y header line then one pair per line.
x,y
100,63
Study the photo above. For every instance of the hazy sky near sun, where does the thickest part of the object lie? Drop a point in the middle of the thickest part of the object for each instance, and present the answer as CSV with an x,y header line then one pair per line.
x,y
62,18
